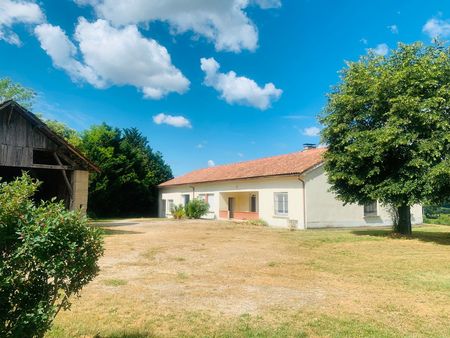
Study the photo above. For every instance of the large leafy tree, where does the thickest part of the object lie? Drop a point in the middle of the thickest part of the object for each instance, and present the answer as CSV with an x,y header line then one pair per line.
x,y
15,91
130,171
387,127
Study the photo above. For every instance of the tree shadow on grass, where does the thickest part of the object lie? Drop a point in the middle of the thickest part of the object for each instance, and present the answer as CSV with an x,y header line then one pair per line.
x,y
112,232
113,224
438,237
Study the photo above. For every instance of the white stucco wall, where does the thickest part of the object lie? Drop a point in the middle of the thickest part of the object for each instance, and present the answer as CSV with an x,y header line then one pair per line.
x,y
265,188
324,210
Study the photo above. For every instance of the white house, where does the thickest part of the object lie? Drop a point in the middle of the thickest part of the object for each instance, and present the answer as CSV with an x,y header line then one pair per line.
x,y
286,191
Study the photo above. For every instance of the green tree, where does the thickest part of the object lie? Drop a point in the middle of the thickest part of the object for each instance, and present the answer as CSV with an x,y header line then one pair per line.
x,y
47,254
14,91
69,134
387,127
130,171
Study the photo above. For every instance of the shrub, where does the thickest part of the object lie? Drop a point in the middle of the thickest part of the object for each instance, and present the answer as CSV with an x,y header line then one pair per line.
x,y
47,255
258,222
196,208
177,211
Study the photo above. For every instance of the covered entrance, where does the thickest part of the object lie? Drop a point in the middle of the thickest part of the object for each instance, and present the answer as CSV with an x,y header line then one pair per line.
x,y
239,205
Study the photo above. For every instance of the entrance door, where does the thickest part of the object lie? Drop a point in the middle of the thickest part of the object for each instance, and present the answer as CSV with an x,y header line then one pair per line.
x,y
230,207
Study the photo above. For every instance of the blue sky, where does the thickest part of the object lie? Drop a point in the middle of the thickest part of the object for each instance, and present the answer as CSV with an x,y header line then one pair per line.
x,y
266,66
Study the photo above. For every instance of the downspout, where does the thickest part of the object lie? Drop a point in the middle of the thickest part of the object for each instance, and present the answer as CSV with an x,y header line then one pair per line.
x,y
304,201
193,192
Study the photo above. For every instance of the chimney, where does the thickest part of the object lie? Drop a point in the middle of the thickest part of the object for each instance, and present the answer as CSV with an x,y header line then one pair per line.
x,y
307,146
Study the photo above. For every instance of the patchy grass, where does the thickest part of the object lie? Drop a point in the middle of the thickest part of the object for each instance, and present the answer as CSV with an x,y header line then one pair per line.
x,y
241,281
115,282
151,253
442,219
182,275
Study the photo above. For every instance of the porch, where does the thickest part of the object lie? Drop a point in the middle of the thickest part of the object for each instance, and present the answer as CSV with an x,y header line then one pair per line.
x,y
239,205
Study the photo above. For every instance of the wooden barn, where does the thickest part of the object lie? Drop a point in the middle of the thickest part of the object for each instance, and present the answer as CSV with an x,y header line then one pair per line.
x,y
28,144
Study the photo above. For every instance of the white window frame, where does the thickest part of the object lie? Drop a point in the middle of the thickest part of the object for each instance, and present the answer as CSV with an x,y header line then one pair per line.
x,y
284,211
183,198
170,204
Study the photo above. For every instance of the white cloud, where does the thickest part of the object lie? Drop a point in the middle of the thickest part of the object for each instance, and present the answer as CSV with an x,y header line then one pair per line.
x,y
437,28
14,12
311,131
223,22
240,154
174,121
364,41
113,56
265,4
238,89
63,52
393,29
382,49
211,163
124,57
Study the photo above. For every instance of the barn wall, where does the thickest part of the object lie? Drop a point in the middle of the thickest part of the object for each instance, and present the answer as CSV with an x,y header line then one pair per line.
x,y
18,138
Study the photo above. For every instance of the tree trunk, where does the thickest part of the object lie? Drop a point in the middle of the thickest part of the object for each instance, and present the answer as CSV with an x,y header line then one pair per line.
x,y
404,220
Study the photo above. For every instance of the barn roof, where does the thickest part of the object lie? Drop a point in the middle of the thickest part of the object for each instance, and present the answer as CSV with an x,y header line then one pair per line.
x,y
289,164
44,129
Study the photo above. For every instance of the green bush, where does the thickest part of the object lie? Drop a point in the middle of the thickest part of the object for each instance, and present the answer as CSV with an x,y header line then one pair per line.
x,y
177,211
258,222
47,255
197,208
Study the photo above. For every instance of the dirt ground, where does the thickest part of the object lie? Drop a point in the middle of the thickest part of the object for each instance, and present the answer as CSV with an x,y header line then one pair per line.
x,y
210,278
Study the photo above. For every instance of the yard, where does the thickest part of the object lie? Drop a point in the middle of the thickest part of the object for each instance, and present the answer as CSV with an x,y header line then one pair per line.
x,y
206,278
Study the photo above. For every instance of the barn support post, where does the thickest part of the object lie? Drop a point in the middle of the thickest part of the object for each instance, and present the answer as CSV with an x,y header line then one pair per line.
x,y
66,179
80,183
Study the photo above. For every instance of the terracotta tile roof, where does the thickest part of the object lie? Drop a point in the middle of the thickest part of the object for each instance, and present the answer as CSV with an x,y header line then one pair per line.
x,y
289,164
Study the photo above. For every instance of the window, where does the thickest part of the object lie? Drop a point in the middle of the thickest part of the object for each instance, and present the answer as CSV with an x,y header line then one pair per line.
x,y
169,206
253,203
370,209
186,199
211,201
208,198
281,203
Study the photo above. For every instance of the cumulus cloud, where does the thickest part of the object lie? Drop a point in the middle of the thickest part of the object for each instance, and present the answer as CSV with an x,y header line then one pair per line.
x,y
311,131
62,51
238,89
174,121
223,22
113,56
437,28
382,49
14,12
211,163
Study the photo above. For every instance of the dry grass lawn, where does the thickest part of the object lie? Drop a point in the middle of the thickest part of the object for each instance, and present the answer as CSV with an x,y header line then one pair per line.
x,y
205,278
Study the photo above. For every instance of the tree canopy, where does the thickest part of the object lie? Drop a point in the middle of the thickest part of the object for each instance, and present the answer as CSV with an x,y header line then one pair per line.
x,y
130,171
15,91
387,127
